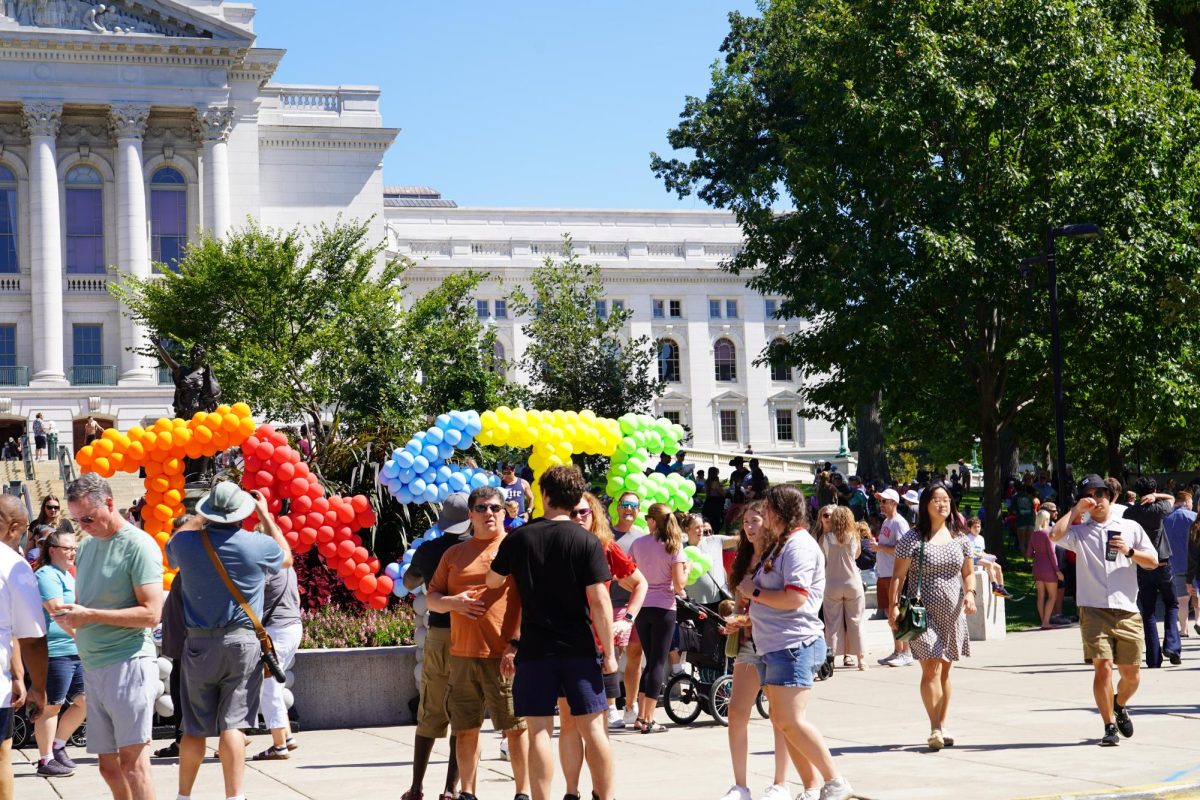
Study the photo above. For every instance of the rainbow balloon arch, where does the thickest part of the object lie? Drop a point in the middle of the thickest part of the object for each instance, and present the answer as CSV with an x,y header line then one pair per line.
x,y
418,472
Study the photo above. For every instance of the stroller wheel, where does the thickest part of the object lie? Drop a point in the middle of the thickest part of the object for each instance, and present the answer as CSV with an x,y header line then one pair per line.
x,y
683,699
22,733
764,707
718,698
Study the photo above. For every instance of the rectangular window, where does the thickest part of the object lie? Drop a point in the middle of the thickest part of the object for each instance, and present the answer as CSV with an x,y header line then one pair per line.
x,y
8,348
729,425
658,309
770,308
784,431
501,309
618,306
731,309
8,229
674,416
89,345
481,309
85,232
602,309
168,227
676,309
714,309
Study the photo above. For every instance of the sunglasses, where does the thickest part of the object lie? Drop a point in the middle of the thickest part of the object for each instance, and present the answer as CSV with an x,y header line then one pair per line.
x,y
485,508
630,504
1096,494
580,512
53,508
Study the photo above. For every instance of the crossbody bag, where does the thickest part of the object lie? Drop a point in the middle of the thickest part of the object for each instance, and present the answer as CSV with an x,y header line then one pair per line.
x,y
910,611
270,661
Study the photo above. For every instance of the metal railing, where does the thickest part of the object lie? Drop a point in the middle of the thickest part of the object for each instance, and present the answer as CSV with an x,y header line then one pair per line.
x,y
20,490
95,375
66,464
14,376
27,456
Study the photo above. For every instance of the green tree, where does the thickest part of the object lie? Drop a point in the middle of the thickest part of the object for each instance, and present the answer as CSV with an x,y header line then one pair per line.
x,y
576,358
892,162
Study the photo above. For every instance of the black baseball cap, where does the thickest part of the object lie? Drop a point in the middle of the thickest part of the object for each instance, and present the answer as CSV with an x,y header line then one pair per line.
x,y
1092,482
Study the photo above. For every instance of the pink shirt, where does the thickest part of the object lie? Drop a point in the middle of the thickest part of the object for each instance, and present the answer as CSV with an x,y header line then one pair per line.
x,y
656,564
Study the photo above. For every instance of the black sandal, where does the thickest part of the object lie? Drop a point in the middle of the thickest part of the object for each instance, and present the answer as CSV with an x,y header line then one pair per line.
x,y
653,727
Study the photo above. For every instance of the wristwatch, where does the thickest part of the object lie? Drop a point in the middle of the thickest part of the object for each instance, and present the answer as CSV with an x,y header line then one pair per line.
x,y
756,593
515,642
628,617
1130,553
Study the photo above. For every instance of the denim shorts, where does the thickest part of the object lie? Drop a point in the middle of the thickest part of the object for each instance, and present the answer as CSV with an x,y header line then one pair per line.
x,y
794,666
64,679
748,655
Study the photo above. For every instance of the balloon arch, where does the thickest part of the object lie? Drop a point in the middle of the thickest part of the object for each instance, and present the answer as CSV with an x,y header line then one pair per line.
x,y
418,472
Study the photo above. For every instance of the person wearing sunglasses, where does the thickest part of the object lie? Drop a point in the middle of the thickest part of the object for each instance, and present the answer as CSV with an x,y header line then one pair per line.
x,y
1108,552
50,513
483,620
64,682
628,508
118,599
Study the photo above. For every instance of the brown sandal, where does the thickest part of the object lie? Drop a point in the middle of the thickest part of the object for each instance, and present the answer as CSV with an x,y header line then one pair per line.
x,y
272,754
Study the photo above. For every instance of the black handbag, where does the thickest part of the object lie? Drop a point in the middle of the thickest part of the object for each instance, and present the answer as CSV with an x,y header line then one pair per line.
x,y
910,611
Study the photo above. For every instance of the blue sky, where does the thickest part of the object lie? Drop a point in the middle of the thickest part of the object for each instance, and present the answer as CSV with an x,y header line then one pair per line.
x,y
536,104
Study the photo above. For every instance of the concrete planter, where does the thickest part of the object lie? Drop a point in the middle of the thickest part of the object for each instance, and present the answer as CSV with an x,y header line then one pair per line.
x,y
354,687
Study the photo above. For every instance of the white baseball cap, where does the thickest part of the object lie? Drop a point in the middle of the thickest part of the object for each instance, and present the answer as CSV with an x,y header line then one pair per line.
x,y
888,494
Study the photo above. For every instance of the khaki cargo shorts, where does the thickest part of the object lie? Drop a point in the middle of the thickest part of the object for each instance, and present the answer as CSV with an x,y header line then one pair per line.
x,y
433,720
1112,635
474,683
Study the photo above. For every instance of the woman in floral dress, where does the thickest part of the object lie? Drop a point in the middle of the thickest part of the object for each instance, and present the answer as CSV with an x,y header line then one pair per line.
x,y
948,593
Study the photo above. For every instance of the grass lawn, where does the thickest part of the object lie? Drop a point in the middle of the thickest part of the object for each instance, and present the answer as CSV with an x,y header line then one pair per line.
x,y
1021,610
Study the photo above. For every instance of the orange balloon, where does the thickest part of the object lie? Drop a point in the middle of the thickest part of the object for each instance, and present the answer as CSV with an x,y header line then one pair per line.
x,y
241,409
246,427
153,468
172,467
165,441
231,423
176,481
158,483
168,579
173,497
103,446
162,512
181,436
162,537
102,466
203,434
149,440
194,449
137,451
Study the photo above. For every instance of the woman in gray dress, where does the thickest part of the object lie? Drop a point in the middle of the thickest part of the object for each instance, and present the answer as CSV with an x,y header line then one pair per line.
x,y
947,578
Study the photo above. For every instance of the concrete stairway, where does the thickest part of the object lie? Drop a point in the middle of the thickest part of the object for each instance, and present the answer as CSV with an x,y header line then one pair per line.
x,y
126,488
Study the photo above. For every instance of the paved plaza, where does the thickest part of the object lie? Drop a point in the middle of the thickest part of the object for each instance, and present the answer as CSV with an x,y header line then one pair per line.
x,y
1022,716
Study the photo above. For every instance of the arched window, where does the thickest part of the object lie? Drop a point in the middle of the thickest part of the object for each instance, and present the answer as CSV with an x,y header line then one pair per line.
x,y
725,360
8,221
668,360
85,221
168,217
498,357
781,371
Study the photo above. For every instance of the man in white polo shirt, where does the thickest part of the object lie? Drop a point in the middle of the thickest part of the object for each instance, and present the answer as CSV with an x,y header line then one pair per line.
x,y
894,526
1106,551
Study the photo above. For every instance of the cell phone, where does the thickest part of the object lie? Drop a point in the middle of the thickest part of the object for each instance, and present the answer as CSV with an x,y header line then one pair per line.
x,y
59,613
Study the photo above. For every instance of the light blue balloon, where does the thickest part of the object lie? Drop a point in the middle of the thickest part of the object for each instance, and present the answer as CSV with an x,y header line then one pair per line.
x,y
392,570
442,421
478,480
429,476
420,464
444,472
417,487
405,475
474,424
457,481
404,458
389,469
414,446
400,590
465,442
430,452
407,557
433,436
458,420
443,492
431,494
453,436
445,450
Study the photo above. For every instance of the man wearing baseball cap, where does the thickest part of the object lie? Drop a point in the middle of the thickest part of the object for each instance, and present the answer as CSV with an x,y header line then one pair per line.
x,y
1106,551
894,526
433,718
222,675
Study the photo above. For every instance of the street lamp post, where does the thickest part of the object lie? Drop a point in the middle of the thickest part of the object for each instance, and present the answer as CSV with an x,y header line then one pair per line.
x,y
1084,230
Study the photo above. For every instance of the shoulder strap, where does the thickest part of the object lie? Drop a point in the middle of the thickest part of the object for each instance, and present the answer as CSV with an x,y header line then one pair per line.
x,y
232,587
920,564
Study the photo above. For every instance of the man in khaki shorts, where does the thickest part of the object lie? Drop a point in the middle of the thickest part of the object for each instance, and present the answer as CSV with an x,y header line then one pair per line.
x,y
482,623
433,720
1106,551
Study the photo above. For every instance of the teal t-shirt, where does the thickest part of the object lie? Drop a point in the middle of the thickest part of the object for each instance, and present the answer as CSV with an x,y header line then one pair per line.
x,y
54,584
106,570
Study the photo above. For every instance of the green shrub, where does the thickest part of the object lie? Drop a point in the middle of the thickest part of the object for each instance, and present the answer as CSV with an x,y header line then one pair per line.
x,y
339,626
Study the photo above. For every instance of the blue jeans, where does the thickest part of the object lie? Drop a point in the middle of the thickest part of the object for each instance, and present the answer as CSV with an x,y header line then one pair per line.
x,y
794,666
64,679
1153,584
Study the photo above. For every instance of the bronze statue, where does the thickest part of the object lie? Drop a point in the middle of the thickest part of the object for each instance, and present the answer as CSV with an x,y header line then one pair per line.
x,y
196,388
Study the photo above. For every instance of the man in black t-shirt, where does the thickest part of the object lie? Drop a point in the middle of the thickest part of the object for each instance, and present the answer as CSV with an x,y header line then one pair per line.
x,y
433,719
561,572
1151,509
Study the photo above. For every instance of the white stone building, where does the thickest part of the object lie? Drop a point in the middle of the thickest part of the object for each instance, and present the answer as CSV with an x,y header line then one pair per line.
x,y
127,128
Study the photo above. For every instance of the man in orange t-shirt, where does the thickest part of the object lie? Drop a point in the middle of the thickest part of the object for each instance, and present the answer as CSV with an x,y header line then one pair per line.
x,y
482,623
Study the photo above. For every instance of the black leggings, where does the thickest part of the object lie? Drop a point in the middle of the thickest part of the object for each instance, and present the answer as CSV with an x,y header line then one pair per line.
x,y
655,627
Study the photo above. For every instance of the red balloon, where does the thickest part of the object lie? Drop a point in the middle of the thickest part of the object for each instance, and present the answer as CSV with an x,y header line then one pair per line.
x,y
303,548
303,504
346,566
327,550
384,584
278,439
301,470
361,555
278,455
346,532
320,504
362,569
298,520
264,431
248,523
315,489
264,450
285,471
325,534
365,520
331,519
345,550
293,456
373,563
308,535
250,445
299,486
351,582
292,539
264,478
366,584
345,512
252,463
285,524
275,505
378,601
266,492
360,503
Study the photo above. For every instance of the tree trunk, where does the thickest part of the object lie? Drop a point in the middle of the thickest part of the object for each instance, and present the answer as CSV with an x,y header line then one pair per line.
x,y
993,482
1010,455
872,454
1113,455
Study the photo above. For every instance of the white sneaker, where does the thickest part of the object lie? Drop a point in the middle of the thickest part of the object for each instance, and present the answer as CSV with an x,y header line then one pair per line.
x,y
836,789
630,716
504,749
905,660
615,720
737,793
776,792
889,661
809,794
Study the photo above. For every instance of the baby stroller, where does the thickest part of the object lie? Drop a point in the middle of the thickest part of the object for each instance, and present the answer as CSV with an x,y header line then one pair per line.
x,y
707,684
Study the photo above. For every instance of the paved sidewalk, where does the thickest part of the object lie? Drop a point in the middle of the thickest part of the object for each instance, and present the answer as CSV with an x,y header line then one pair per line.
x,y
1022,715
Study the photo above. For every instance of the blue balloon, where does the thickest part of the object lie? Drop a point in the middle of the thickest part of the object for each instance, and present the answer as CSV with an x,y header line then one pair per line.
x,y
453,437
414,446
445,451
405,475
399,589
458,420
431,494
444,472
404,458
389,469
478,481
433,436
430,452
457,481
417,487
474,424
407,557
403,495
420,464
429,476
392,570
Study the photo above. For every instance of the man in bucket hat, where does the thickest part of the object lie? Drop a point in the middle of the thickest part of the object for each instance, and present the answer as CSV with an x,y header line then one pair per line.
x,y
222,677
433,718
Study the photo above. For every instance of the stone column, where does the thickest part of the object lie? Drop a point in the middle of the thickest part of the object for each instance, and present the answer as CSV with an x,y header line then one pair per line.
x,y
128,122
42,121
213,127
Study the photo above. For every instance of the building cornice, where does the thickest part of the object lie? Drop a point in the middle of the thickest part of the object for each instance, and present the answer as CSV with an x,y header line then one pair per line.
x,y
117,49
305,137
635,275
